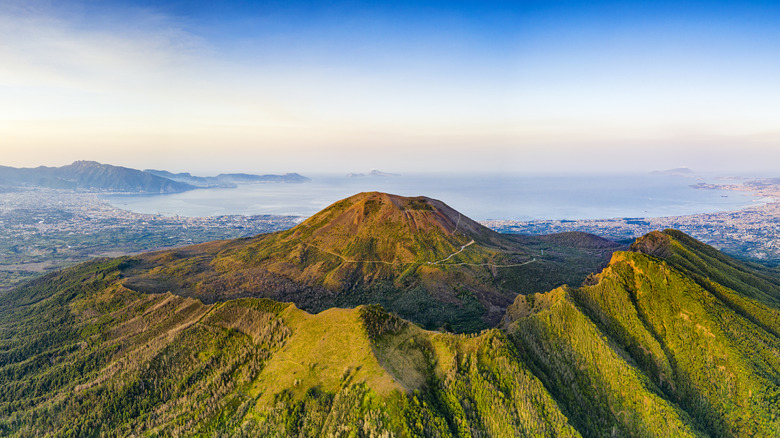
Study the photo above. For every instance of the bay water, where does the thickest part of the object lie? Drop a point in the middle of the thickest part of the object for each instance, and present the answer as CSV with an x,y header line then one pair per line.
x,y
479,196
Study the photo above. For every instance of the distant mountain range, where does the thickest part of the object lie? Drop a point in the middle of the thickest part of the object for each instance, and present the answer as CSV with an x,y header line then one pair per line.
x,y
228,179
91,175
666,338
679,171
372,173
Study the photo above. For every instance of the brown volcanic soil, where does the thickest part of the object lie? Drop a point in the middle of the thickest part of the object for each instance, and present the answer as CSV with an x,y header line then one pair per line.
x,y
416,256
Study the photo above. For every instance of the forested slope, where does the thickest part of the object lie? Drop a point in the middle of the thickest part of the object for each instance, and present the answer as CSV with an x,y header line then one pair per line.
x,y
672,339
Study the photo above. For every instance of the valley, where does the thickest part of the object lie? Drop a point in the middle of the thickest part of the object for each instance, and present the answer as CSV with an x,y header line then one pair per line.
x,y
379,248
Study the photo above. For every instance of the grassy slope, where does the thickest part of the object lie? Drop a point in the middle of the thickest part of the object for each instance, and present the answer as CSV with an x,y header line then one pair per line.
x,y
723,369
705,262
602,393
88,357
646,348
653,329
402,253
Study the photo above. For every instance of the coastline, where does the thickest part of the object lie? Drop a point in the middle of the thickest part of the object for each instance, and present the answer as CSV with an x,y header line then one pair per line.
x,y
481,197
46,229
748,233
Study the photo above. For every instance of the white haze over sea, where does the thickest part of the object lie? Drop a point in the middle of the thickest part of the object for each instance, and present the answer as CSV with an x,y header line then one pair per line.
x,y
479,196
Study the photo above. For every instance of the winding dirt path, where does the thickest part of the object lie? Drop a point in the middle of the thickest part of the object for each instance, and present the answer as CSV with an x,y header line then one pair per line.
x,y
437,262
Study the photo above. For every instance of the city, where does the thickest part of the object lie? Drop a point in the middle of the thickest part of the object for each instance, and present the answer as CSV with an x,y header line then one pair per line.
x,y
750,233
45,229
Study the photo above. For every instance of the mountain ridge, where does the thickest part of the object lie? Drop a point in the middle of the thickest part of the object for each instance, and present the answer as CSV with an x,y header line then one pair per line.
x,y
91,175
227,180
707,349
667,337
643,348
414,255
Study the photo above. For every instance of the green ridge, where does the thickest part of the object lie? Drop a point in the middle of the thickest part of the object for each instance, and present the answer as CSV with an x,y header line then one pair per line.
x,y
130,363
672,339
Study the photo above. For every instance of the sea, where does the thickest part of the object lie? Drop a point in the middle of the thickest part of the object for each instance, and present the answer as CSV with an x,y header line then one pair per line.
x,y
478,196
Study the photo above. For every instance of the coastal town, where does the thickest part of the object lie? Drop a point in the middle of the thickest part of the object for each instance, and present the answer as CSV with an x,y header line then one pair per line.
x,y
46,229
750,233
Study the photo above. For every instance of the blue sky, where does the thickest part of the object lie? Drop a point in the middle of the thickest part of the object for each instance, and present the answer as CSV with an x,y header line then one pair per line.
x,y
537,86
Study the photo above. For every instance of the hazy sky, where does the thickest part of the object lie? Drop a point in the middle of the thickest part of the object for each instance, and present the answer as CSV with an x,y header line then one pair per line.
x,y
278,86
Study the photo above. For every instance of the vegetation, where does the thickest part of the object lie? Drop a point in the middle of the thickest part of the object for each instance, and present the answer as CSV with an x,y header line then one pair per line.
x,y
84,356
416,257
671,339
658,344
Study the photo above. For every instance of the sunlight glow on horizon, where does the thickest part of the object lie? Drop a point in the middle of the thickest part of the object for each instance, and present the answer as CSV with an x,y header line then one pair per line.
x,y
545,88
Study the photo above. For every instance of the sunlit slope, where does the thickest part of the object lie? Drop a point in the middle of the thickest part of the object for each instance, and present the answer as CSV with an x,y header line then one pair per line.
x,y
648,344
597,387
416,256
80,355
703,262
646,347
